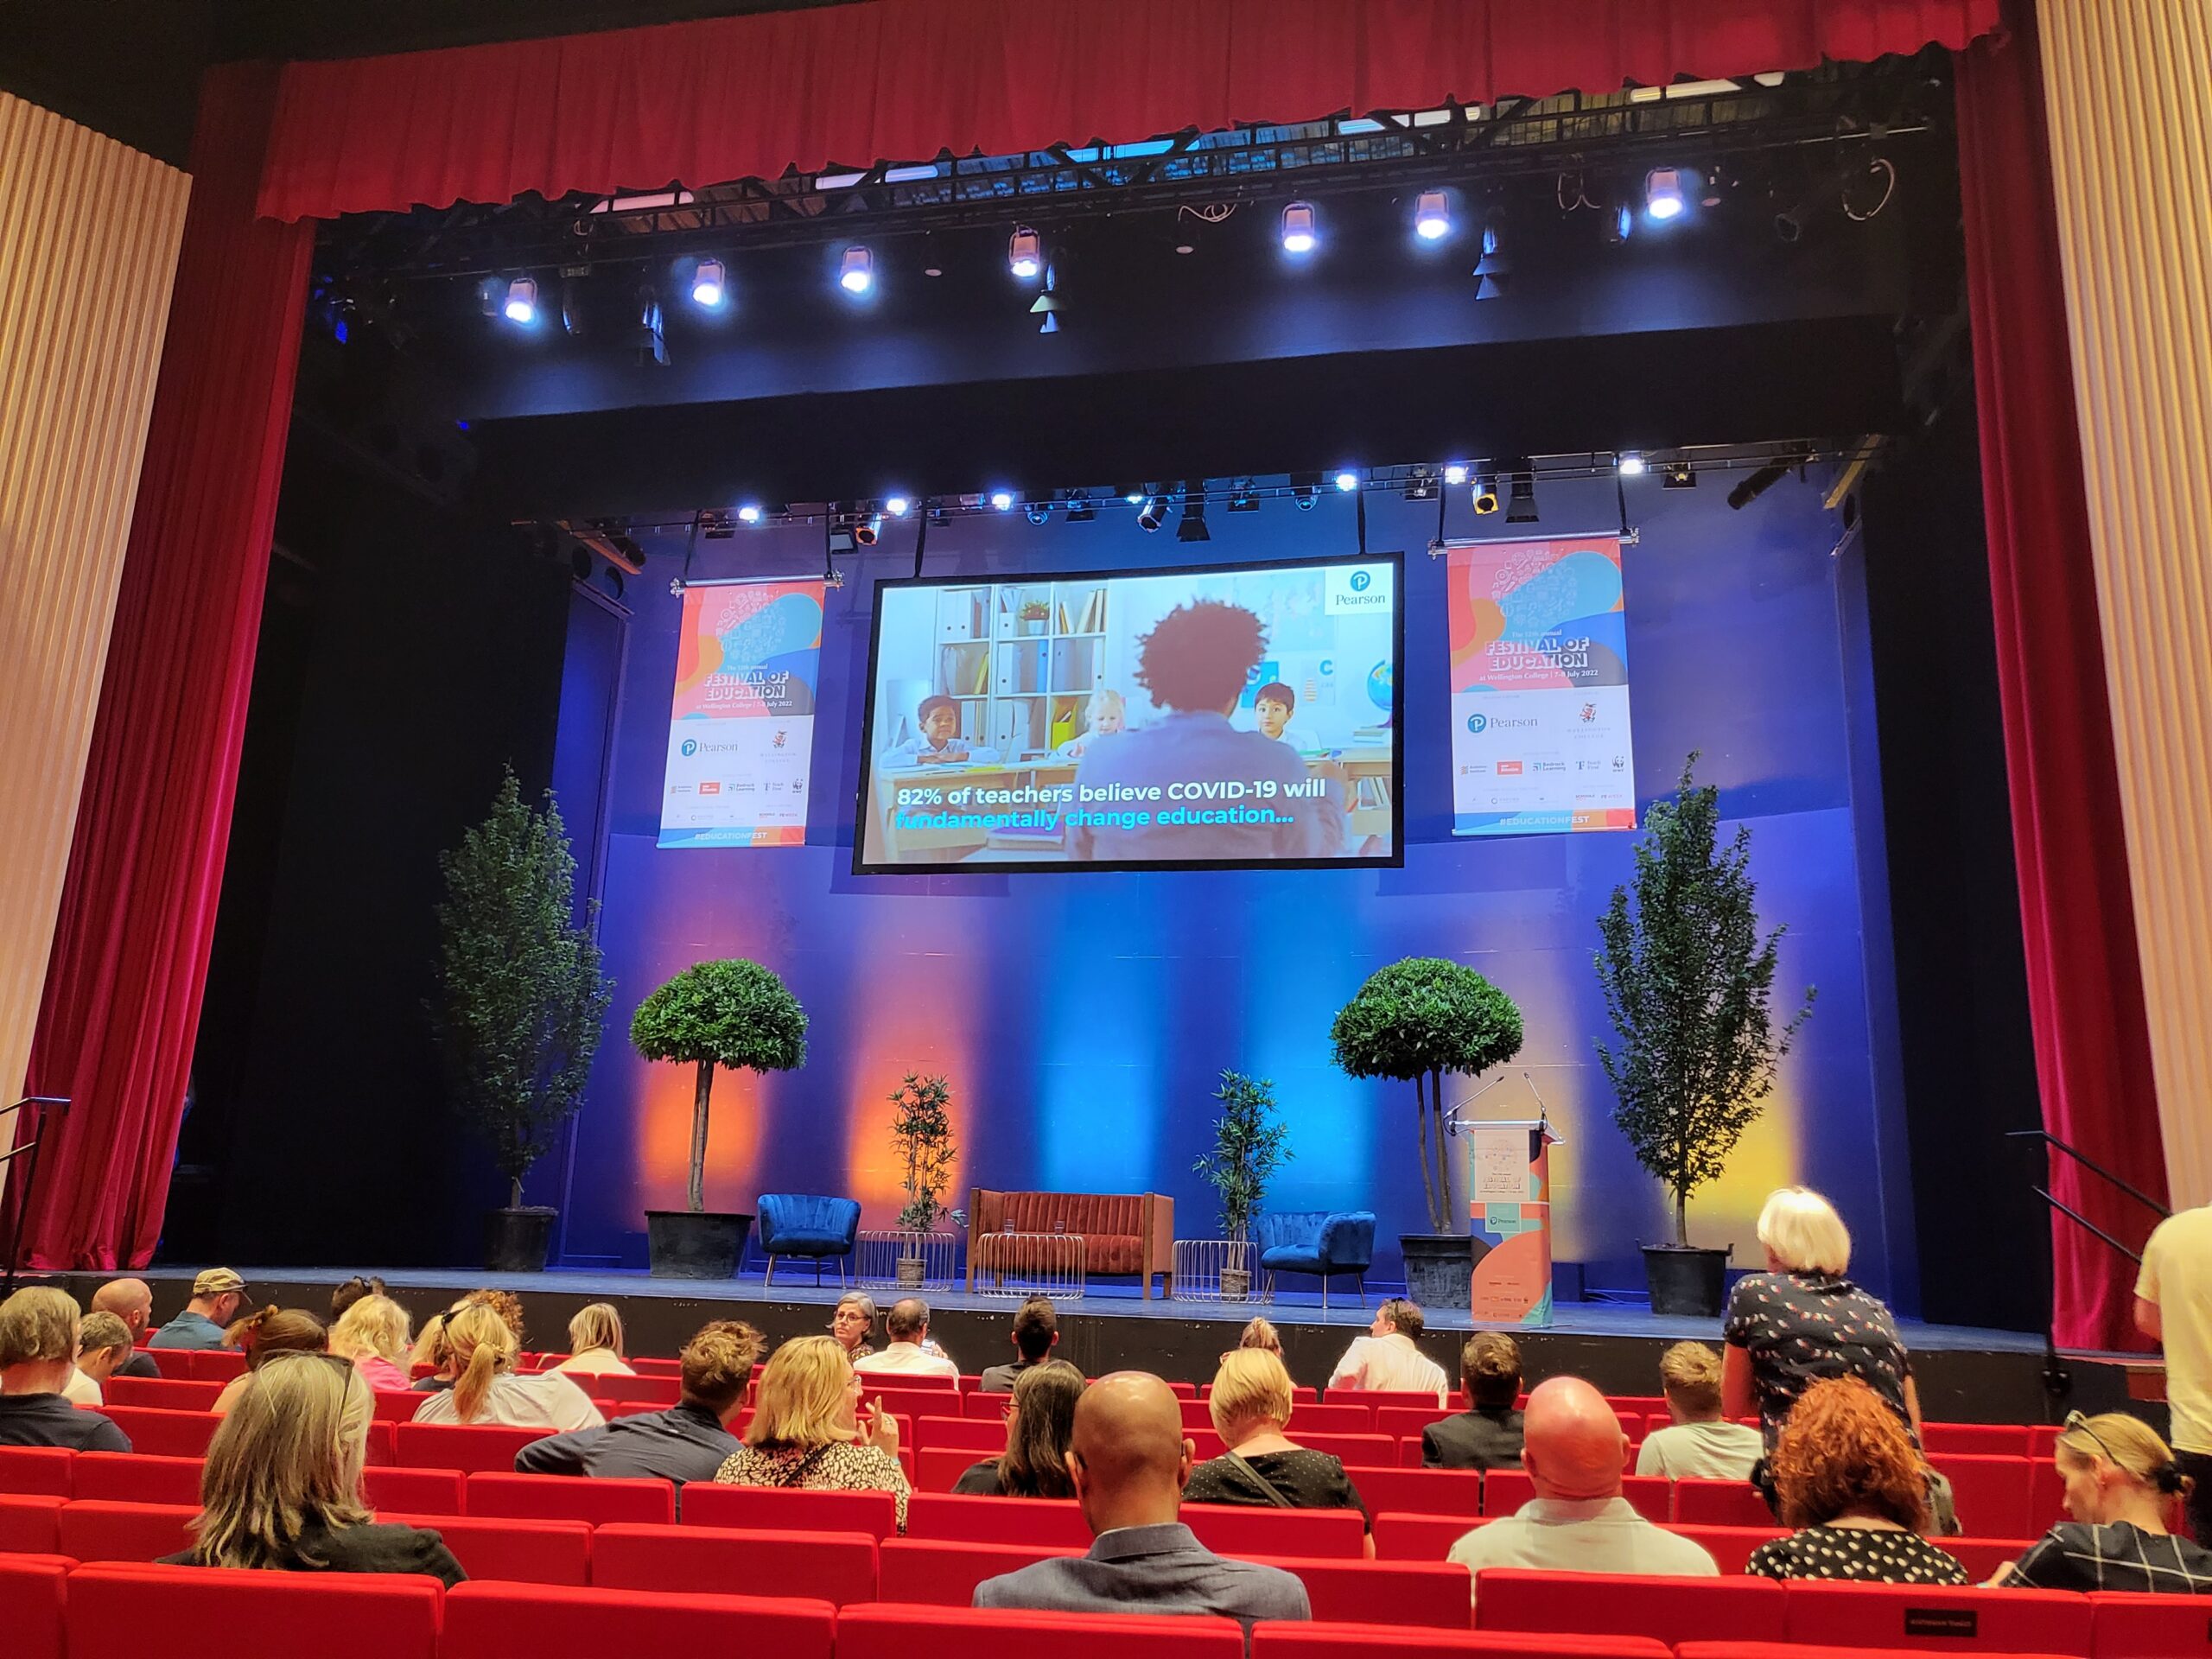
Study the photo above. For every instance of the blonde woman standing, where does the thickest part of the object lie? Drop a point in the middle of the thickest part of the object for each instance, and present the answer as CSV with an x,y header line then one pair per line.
x,y
282,1489
806,1431
487,1391
595,1343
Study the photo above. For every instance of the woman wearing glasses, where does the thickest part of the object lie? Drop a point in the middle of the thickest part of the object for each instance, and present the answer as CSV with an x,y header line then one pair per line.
x,y
2122,1488
1039,1423
282,1488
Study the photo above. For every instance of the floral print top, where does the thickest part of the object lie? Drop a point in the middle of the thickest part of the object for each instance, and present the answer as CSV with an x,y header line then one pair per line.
x,y
1800,1327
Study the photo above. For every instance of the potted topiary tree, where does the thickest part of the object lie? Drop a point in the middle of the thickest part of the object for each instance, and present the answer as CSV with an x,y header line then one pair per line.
x,y
519,1002
1417,1020
921,1133
1687,981
735,1013
1249,1144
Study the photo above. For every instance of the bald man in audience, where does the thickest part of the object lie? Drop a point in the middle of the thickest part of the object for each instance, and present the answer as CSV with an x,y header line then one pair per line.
x,y
1129,1462
1573,1450
130,1300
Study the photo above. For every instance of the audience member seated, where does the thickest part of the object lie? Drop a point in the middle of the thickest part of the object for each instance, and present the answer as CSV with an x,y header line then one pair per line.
x,y
1039,1421
354,1290
1385,1358
103,1347
1036,1328
131,1301
1129,1462
1572,1448
373,1333
1802,1321
1487,1436
1851,1483
217,1296
909,1350
854,1323
806,1431
1701,1444
282,1488
487,1391
264,1335
38,1350
1259,1333
595,1343
1250,1406
689,1441
2123,1489
432,1349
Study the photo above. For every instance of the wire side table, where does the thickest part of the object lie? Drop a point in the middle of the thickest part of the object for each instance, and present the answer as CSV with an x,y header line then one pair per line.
x,y
1026,1264
1201,1264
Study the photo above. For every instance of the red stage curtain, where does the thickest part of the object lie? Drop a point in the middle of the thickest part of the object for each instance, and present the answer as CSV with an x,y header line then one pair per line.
x,y
129,956
734,97
2085,990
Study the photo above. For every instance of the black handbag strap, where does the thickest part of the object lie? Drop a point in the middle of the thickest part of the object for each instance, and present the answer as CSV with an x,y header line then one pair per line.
x,y
791,1477
1274,1492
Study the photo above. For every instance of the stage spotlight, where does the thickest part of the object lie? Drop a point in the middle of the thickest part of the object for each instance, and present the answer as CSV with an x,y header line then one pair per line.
x,y
1001,500
522,300
1298,234
1662,193
1193,526
1132,493
867,531
1025,254
1677,475
1629,464
1455,473
1485,493
1496,264
1305,490
1520,504
897,506
1039,512
709,284
856,270
1432,217
1766,477
1421,485
1047,306
1620,224
749,513
1153,513
1080,511
1347,481
1243,498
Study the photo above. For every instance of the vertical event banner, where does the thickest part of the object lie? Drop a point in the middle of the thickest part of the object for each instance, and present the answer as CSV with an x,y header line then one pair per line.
x,y
740,728
1540,726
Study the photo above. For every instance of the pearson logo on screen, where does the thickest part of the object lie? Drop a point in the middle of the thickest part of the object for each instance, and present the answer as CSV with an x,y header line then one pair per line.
x,y
1363,589
1361,581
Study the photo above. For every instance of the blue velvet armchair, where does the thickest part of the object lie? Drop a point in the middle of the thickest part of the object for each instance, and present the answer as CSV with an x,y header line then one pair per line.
x,y
802,1224
1323,1244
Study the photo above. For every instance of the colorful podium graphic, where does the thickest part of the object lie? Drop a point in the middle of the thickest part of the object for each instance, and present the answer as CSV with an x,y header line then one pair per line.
x,y
1510,1207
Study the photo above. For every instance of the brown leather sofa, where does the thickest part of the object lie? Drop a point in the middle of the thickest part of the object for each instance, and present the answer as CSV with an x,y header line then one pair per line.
x,y
1121,1232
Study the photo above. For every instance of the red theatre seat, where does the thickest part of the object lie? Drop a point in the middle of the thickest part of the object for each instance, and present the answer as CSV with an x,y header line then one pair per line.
x,y
978,1437
470,1447
939,1468
395,1405
134,1478
1422,1492
1719,1503
557,1497
1432,1593
1672,1609
1994,1496
29,1524
1356,1450
2123,1625
509,1551
1326,1641
513,1621
101,1531
1382,1399
170,1394
1982,1556
40,1470
836,1567
889,1630
1799,1651
1046,1523
658,1367
118,1611
1399,1421
201,1364
771,1509
418,1491
1984,1439
31,1595
662,1391
1731,1547
1924,1617
1399,1537
1234,1529
166,1434
934,1571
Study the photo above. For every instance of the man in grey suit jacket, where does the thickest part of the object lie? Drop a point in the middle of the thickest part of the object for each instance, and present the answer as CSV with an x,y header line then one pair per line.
x,y
1129,1462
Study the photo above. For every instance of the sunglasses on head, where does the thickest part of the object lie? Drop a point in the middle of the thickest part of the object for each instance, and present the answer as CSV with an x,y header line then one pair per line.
x,y
2075,1419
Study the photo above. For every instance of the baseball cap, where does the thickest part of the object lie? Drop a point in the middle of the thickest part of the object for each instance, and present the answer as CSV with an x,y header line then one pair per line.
x,y
215,1282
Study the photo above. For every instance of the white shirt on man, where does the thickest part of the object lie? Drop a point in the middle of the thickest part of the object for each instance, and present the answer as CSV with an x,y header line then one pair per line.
x,y
907,1356
1392,1364
1597,1535
81,1390
1717,1450
2178,1276
548,1400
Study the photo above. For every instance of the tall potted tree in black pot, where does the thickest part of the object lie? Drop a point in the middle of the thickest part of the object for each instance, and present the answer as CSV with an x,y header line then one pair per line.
x,y
733,1014
1415,1021
1687,982
520,1002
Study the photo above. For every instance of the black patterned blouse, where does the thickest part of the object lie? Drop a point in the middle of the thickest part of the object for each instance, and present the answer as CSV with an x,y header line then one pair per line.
x,y
1865,1554
1800,1327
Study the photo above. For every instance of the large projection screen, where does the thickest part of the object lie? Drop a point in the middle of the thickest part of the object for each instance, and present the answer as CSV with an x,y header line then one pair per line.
x,y
1203,717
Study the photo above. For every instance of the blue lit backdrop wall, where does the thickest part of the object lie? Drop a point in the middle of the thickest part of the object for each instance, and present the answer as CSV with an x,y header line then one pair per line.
x,y
1082,1020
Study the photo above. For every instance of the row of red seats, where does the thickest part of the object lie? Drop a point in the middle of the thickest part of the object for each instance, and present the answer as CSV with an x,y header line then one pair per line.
x,y
54,1608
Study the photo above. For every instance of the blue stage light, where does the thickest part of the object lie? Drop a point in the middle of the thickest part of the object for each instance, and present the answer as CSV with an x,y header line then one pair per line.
x,y
1002,500
708,284
1298,234
1347,481
896,506
749,513
522,300
1662,193
856,270
1456,473
1629,464
1432,217
1025,254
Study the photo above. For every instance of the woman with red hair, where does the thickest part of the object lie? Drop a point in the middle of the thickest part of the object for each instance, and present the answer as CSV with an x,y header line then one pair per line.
x,y
1850,1482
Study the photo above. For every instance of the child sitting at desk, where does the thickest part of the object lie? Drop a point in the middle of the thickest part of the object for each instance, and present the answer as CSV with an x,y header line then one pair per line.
x,y
1272,705
1107,714
940,743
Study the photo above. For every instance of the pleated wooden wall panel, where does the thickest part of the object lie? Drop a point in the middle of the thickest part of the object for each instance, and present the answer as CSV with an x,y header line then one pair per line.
x,y
88,242
2129,85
